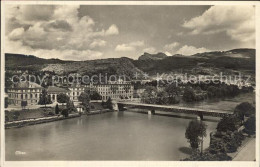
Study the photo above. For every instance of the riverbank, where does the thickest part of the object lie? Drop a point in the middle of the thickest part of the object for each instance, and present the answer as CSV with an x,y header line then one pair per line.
x,y
41,120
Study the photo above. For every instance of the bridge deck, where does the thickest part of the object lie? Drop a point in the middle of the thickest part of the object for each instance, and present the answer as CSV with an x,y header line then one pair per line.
x,y
218,113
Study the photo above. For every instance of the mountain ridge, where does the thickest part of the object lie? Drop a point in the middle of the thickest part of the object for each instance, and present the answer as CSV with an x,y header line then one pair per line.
x,y
235,59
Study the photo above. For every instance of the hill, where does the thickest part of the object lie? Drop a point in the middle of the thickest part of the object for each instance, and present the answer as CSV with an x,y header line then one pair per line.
x,y
148,56
236,59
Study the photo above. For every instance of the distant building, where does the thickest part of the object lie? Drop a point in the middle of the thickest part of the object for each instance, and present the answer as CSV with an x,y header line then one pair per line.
x,y
24,91
53,91
113,89
76,90
30,92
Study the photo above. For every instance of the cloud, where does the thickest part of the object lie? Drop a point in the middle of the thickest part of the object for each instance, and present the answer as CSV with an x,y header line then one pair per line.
x,y
98,43
112,30
54,29
124,47
130,46
67,54
151,50
137,43
16,33
238,22
168,53
58,25
172,46
190,50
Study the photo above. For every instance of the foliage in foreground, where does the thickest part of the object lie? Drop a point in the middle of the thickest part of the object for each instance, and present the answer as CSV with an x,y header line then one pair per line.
x,y
207,156
195,131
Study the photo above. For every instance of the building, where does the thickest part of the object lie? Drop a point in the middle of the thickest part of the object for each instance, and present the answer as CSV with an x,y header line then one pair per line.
x,y
75,91
114,90
24,91
53,91
30,92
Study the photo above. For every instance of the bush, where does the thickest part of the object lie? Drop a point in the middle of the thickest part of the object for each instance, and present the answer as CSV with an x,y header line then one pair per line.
x,y
109,104
6,118
189,95
207,156
57,110
65,112
16,115
228,123
244,109
250,125
216,145
51,113
225,142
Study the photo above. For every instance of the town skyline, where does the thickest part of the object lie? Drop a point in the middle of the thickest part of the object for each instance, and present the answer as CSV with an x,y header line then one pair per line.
x,y
98,32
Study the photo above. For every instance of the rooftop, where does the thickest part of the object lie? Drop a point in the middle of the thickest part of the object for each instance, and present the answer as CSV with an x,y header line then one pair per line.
x,y
26,84
54,89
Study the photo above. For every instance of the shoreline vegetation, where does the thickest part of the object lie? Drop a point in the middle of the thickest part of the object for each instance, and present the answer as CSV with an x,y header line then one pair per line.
x,y
231,135
40,120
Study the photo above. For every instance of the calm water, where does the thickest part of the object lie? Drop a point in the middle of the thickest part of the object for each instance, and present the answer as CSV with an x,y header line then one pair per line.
x,y
110,136
227,104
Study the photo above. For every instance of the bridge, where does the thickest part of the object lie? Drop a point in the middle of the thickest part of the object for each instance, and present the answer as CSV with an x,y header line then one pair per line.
x,y
153,107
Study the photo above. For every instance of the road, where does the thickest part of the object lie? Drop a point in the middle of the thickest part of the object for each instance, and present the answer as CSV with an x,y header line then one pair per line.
x,y
247,153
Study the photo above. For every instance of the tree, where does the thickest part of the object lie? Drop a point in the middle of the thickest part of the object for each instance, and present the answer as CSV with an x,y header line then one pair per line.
x,y
188,95
44,98
103,104
162,97
57,110
173,91
24,104
84,98
109,104
6,102
94,95
244,109
70,106
213,91
195,132
149,95
62,98
228,123
65,112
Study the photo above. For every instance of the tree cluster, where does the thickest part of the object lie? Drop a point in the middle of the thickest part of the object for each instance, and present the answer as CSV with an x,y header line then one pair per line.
x,y
169,95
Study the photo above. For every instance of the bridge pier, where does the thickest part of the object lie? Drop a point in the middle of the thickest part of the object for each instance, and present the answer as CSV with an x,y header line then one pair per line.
x,y
200,116
152,112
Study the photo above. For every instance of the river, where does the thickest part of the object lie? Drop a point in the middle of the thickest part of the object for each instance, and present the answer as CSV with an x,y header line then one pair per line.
x,y
114,136
110,136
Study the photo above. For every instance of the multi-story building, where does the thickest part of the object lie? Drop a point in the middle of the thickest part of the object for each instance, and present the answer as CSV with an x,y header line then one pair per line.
x,y
30,92
114,90
53,91
76,90
24,91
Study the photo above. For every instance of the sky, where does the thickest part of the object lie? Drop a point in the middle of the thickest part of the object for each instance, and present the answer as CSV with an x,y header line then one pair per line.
x,y
73,32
